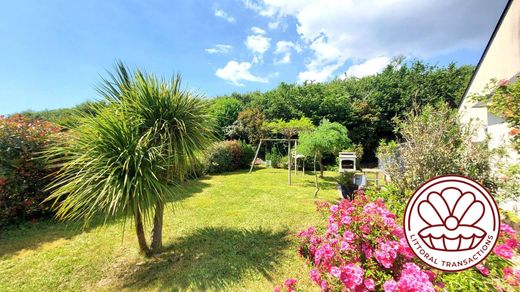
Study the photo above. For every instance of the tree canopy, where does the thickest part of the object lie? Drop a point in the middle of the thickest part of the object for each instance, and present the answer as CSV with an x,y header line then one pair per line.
x,y
327,138
225,111
367,105
291,128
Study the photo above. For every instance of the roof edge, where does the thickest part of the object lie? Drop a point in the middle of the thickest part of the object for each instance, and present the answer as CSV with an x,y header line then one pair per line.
x,y
488,45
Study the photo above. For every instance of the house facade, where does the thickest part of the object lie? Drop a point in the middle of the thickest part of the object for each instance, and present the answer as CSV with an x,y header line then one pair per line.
x,y
500,60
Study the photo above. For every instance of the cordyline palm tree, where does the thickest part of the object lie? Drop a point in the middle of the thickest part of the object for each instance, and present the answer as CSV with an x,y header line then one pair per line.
x,y
125,160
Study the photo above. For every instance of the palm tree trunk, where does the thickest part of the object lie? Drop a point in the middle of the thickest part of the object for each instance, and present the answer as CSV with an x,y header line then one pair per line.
x,y
141,237
156,244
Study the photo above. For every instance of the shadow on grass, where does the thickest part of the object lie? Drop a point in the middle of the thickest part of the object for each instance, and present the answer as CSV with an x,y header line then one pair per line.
x,y
240,171
189,188
30,236
210,258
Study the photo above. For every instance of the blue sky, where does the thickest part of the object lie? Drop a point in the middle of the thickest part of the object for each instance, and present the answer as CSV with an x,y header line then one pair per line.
x,y
52,53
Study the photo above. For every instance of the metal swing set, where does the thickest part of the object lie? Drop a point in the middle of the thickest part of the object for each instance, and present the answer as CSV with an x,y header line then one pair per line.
x,y
294,156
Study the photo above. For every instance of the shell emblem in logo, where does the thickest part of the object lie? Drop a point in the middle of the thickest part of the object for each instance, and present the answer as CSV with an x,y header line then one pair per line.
x,y
451,223
451,229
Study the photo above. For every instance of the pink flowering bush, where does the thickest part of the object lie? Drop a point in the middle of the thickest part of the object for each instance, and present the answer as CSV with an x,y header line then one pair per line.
x,y
363,249
288,285
495,272
506,242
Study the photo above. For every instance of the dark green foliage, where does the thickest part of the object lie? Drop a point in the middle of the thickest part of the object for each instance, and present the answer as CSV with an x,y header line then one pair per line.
x,y
225,111
23,174
275,157
249,126
228,156
365,105
346,178
247,155
200,169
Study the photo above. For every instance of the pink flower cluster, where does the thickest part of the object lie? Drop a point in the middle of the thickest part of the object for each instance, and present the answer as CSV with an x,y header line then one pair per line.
x,y
289,285
511,276
361,246
386,253
412,279
507,242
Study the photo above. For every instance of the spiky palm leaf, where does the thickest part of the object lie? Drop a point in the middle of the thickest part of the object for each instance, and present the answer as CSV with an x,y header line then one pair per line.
x,y
124,159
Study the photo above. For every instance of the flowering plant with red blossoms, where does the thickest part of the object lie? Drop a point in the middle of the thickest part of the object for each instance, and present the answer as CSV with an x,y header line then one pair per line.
x,y
23,174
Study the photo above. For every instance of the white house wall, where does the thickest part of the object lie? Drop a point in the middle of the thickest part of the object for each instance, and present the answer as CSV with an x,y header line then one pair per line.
x,y
501,61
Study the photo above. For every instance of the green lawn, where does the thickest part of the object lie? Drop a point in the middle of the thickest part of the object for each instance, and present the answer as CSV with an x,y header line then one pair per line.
x,y
226,232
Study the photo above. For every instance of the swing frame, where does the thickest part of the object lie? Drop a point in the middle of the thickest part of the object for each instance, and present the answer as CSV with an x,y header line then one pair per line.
x,y
289,154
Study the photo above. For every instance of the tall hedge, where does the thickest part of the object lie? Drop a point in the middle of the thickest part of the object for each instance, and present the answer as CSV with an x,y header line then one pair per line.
x,y
23,174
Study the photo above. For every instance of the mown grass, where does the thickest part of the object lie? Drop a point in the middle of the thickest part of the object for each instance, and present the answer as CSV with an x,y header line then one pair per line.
x,y
226,232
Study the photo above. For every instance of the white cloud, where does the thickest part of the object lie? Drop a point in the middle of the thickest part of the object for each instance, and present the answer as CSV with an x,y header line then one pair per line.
x,y
264,10
236,72
219,49
318,72
258,44
369,67
223,14
286,59
273,24
284,48
361,30
257,30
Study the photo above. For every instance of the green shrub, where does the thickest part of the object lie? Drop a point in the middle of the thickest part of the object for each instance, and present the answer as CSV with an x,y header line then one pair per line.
x,y
200,169
247,155
275,157
225,111
284,161
503,100
392,196
509,182
346,178
68,117
228,156
435,143
23,174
